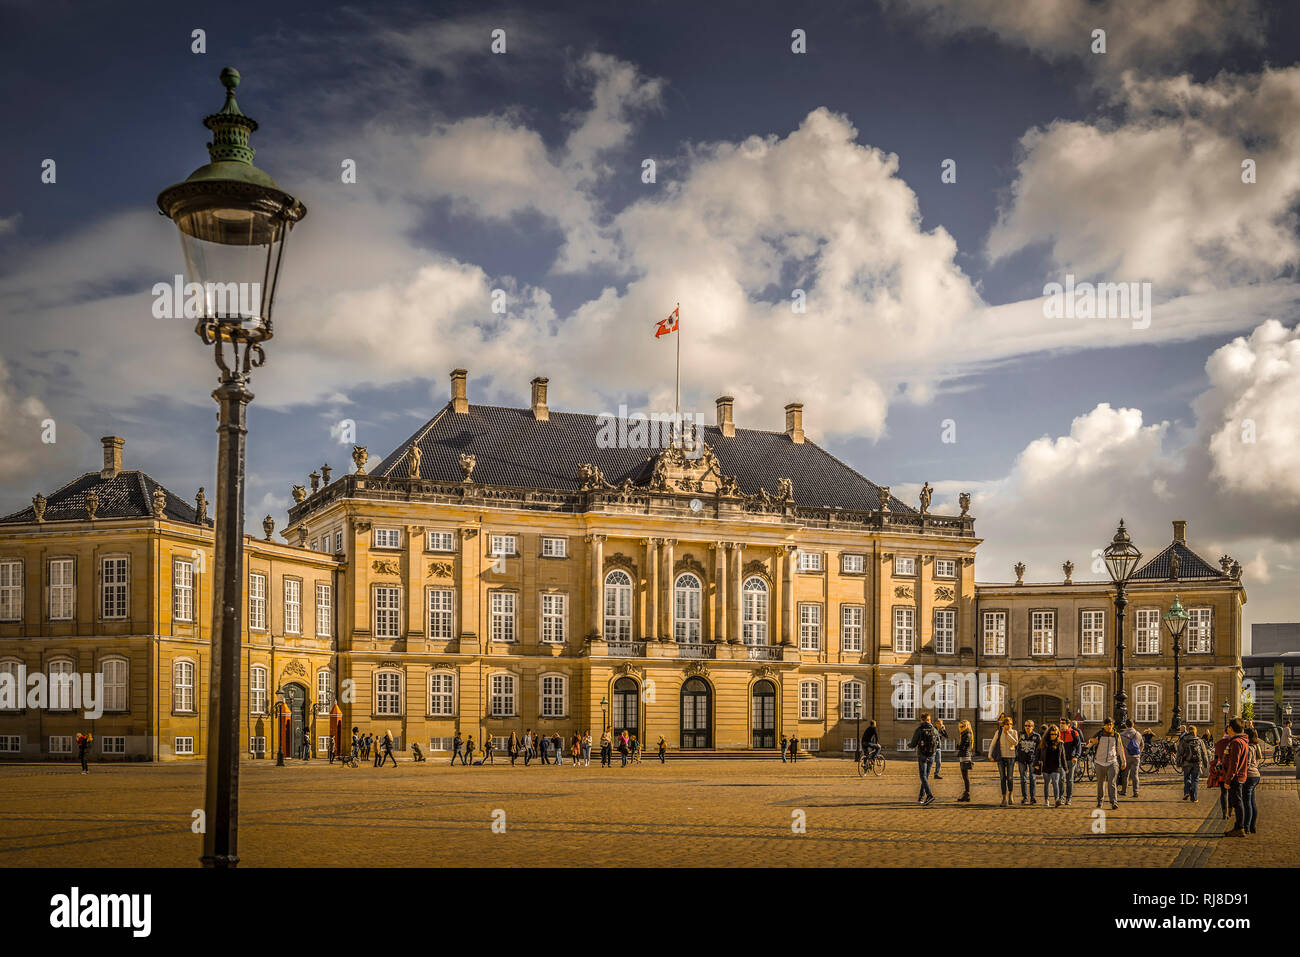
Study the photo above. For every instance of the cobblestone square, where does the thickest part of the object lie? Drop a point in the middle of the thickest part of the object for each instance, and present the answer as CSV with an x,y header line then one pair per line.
x,y
739,813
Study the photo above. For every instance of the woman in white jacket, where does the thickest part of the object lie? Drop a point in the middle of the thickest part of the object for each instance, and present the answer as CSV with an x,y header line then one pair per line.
x,y
1002,751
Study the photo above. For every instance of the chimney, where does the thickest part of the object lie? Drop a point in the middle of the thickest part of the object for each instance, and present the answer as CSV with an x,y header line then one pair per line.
x,y
794,421
725,423
459,403
1180,530
112,455
540,412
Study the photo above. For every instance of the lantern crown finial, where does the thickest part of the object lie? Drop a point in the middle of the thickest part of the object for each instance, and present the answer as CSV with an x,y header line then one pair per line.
x,y
230,127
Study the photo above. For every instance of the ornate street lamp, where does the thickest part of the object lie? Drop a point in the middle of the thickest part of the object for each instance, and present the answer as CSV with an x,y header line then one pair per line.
x,y
1176,621
281,713
604,703
233,220
1227,710
1122,557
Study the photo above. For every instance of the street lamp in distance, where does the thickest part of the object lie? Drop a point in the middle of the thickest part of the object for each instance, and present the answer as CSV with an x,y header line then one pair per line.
x,y
1176,621
1122,558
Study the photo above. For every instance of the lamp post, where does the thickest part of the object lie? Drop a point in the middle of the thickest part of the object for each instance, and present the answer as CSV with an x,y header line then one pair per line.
x,y
1122,557
604,703
1227,709
281,711
1176,621
233,220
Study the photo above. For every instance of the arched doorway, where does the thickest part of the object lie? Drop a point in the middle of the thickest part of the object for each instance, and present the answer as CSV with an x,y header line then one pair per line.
x,y
626,706
295,696
697,728
763,713
1042,709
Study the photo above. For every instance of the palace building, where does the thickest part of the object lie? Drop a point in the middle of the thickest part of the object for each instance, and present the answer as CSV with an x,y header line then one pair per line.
x,y
504,569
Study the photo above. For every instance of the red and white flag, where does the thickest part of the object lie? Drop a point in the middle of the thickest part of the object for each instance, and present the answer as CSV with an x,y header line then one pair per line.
x,y
668,325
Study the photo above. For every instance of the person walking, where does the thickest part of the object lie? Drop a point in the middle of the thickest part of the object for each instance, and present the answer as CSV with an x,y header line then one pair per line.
x,y
489,753
925,740
469,751
456,743
1073,742
938,752
1236,762
1109,760
1254,755
606,751
83,745
528,746
1053,763
1217,778
575,748
1132,742
794,749
586,749
623,747
304,746
387,745
663,749
512,747
356,741
379,751
1192,756
557,749
965,751
785,744
1026,758
1002,751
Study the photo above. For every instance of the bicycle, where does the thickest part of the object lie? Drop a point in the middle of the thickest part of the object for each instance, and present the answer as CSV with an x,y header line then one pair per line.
x,y
874,764
1156,757
1085,767
1283,754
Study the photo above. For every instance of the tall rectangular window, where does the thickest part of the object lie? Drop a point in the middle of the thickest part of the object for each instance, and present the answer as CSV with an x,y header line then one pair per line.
x,y
1091,704
115,673
1200,630
1146,626
324,691
554,616
183,590
851,628
502,696
552,696
995,632
1042,632
257,601
945,631
324,609
441,699
62,588
11,591
905,629
115,586
183,686
388,693
810,627
810,700
292,606
1092,633
440,614
851,700
503,616
388,612
257,697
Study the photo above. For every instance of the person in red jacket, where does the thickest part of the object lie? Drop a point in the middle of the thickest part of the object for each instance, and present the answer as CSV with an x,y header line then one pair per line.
x,y
1235,760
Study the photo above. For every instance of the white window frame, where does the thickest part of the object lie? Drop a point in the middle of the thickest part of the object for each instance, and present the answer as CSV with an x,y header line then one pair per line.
x,y
905,629
945,568
257,601
387,616
853,563
554,690
810,700
184,679
62,589
1092,701
755,606
555,618
1198,711
1200,630
385,537
904,566
688,605
117,693
810,561
259,700
440,696
993,633
112,744
617,605
903,698
502,695
503,546
388,693
442,614
945,631
324,610
852,626
115,587
1042,633
1092,632
324,691
183,589
852,694
60,694
504,608
945,700
1146,631
61,744
15,668
11,743
183,744
1146,707
292,588
438,537
555,547
810,626
11,590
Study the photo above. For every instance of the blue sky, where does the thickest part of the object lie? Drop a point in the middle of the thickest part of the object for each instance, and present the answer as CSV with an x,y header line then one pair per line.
x,y
775,170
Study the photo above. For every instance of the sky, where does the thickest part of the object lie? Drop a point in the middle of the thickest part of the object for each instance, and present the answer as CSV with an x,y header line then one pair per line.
x,y
923,350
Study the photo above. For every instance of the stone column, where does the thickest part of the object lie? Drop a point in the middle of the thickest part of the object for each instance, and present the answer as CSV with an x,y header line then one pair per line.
x,y
720,590
667,563
737,569
596,609
472,637
787,593
651,589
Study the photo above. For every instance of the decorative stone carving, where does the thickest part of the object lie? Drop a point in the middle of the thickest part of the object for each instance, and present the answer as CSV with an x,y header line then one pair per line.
x,y
884,498
386,566
902,591
1068,568
268,526
413,462
440,569
1020,573
1175,565
469,531
926,494
325,475
964,501
360,525
296,667
1236,570
315,482
38,506
630,670
299,494
619,560
696,669
944,593
302,536
785,489
687,563
467,463
1225,562
201,507
591,478
92,504
159,503
360,456
766,671
754,567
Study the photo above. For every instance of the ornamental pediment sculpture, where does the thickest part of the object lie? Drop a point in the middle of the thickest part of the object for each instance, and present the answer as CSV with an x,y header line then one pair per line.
x,y
159,502
295,667
675,471
754,567
902,591
39,502
687,563
299,494
92,504
766,671
696,669
360,456
467,463
440,569
944,593
386,566
591,477
630,670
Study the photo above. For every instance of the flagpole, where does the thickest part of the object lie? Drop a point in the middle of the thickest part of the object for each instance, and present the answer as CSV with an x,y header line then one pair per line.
x,y
677,410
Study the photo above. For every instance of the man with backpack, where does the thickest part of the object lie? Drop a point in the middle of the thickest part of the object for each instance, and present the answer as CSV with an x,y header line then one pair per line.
x,y
1073,742
1132,742
926,742
1026,757
1192,755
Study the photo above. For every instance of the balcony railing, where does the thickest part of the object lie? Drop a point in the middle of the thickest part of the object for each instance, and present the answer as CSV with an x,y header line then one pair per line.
x,y
764,652
695,651
627,649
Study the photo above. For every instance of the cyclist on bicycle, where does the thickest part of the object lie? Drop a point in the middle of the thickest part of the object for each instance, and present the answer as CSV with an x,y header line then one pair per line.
x,y
870,742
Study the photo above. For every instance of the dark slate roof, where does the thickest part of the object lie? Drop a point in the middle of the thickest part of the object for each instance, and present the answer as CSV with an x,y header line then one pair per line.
x,y
1190,565
511,448
128,494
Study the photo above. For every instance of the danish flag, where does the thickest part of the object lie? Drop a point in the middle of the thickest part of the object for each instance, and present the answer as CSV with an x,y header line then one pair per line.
x,y
669,325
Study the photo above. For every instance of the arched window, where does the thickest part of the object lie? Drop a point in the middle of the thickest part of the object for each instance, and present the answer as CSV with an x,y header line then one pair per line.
x,y
64,693
324,691
1198,703
627,698
442,693
687,599
388,692
754,612
183,686
1091,702
618,606
13,685
1146,703
115,671
553,696
257,699
904,698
